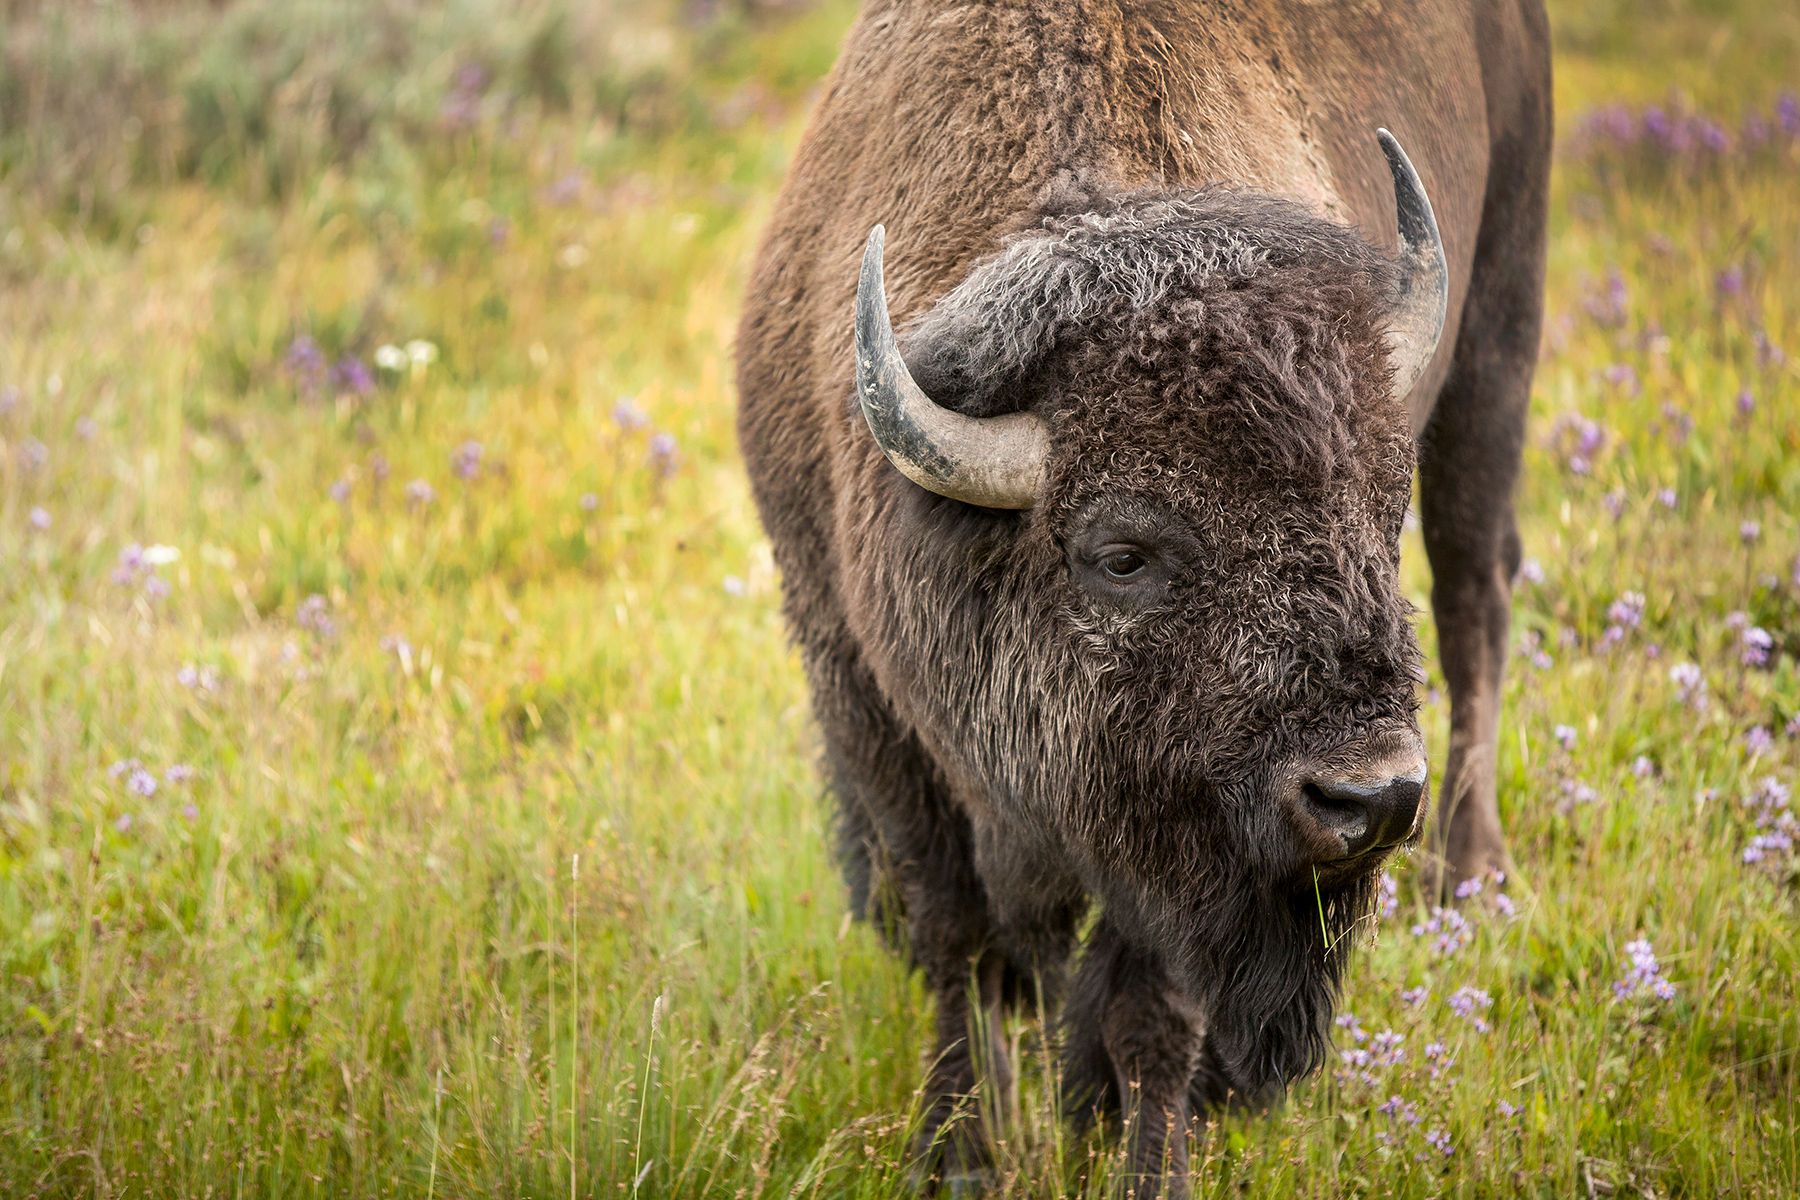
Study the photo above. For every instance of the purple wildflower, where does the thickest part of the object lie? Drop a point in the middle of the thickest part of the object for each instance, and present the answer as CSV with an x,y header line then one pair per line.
x,y
1666,497
628,416
1690,684
1768,354
1448,930
340,491
465,463
566,190
1750,532
1680,421
1758,741
197,678
1395,1106
1531,571
1730,282
664,456
1566,736
304,362
1415,996
419,493
1774,822
1642,767
1388,894
1623,377
1610,307
1531,645
1644,976
1787,113
589,502
1577,440
1627,610
1624,615
462,106
39,517
1757,645
1470,1003
137,568
352,376
314,616
1576,791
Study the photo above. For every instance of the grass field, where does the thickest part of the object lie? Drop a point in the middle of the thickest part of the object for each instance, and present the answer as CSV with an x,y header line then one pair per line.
x,y
406,790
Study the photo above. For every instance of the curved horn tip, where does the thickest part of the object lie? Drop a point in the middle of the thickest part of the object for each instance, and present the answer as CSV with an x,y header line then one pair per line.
x,y
1424,294
1418,225
874,330
872,250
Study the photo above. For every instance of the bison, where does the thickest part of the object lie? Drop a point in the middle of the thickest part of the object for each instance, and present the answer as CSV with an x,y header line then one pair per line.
x,y
1093,566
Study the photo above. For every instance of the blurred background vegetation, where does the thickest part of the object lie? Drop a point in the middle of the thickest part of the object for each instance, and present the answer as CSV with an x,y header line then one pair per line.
x,y
404,785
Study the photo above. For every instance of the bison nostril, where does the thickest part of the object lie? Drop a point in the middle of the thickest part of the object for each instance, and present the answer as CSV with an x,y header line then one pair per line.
x,y
1362,816
1342,815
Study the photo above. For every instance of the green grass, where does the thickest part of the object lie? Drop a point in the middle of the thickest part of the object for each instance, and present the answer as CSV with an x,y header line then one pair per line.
x,y
536,901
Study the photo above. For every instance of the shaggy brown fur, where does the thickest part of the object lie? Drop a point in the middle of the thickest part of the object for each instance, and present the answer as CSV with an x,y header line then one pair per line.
x,y
1009,735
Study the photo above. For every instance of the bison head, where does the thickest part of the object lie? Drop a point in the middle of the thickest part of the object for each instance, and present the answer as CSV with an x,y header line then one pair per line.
x,y
1147,604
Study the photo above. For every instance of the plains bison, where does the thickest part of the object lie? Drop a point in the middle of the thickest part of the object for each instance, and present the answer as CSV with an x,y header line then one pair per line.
x,y
1097,585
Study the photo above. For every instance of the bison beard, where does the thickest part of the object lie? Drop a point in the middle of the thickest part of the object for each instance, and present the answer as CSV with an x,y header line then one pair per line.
x,y
1263,964
1281,956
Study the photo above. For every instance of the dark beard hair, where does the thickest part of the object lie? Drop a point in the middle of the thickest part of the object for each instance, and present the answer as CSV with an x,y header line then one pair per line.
x,y
1266,967
1263,967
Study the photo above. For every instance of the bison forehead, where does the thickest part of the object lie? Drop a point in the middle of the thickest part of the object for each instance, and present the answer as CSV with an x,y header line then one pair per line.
x,y
1076,278
1282,392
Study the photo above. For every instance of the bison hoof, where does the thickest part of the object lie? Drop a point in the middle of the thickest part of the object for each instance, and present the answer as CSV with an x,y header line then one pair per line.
x,y
958,1183
967,1184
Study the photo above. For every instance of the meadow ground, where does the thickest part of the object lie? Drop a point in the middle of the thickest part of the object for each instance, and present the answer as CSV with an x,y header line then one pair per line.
x,y
405,788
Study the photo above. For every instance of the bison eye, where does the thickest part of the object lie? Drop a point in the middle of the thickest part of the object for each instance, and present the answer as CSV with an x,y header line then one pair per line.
x,y
1123,564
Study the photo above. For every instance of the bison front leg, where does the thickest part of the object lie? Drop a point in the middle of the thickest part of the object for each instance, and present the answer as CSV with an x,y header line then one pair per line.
x,y
907,851
966,1086
1468,463
1133,1046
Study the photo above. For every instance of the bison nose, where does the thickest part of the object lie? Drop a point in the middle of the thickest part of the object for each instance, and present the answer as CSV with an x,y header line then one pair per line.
x,y
1347,818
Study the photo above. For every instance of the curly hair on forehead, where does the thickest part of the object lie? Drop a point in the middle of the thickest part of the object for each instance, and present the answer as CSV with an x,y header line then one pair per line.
x,y
1247,297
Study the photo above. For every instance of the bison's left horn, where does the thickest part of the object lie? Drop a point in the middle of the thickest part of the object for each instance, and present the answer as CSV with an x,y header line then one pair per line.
x,y
995,462
1424,293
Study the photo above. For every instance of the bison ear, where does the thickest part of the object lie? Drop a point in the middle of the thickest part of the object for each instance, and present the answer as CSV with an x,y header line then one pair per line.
x,y
994,462
1423,295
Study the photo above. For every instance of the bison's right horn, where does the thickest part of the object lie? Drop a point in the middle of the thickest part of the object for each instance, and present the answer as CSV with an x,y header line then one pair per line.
x,y
1424,294
994,462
